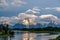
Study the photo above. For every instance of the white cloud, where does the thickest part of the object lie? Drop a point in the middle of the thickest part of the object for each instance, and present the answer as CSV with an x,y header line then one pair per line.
x,y
18,2
56,8
4,20
23,17
9,20
50,18
29,15
48,8
28,19
3,3
53,8
13,20
33,11
28,22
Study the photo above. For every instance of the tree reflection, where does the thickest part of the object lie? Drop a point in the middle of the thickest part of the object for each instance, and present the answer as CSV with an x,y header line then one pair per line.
x,y
4,38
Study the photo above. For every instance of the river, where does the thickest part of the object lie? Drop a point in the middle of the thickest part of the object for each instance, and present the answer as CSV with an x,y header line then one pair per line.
x,y
20,35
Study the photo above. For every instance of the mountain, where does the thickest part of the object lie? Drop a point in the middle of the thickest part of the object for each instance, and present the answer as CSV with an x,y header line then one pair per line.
x,y
18,25
35,26
38,25
53,24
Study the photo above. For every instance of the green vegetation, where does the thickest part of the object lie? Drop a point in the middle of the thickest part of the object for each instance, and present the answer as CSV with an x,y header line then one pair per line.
x,y
48,29
4,30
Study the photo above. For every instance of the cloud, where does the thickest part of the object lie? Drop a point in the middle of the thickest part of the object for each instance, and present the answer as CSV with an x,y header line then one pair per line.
x,y
25,18
49,18
57,8
54,8
14,19
9,20
4,20
18,2
17,19
33,11
24,15
48,8
30,13
3,4
28,22
29,17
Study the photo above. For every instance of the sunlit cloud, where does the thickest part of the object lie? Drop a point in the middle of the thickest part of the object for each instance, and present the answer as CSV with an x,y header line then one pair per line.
x,y
23,15
29,16
28,22
25,22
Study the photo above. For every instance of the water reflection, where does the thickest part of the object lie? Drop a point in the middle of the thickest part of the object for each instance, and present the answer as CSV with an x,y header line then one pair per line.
x,y
3,38
36,36
6,37
28,36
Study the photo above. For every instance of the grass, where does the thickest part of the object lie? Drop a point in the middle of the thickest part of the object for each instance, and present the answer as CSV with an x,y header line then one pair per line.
x,y
43,31
6,34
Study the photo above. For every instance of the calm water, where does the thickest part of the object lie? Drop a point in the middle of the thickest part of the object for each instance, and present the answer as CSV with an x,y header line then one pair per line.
x,y
29,36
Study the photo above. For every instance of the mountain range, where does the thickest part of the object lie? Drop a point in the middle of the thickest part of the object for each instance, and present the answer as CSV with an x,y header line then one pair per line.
x,y
38,25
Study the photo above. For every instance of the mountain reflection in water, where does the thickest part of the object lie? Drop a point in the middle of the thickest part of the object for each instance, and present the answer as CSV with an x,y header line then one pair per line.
x,y
28,36
19,35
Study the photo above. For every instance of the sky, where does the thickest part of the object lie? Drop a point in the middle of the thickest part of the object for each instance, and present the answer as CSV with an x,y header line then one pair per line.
x,y
37,9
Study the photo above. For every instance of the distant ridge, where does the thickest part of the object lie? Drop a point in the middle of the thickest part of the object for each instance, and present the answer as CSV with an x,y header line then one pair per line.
x,y
38,25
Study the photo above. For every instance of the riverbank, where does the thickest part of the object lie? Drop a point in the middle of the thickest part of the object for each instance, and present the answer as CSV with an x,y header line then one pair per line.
x,y
40,30
5,30
6,34
58,38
